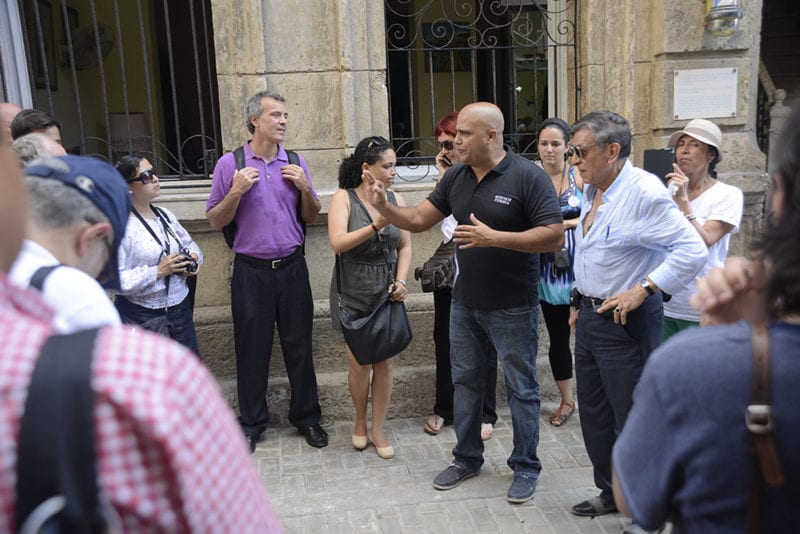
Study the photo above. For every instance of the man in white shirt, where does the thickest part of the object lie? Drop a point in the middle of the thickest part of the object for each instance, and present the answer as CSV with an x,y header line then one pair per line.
x,y
633,247
78,210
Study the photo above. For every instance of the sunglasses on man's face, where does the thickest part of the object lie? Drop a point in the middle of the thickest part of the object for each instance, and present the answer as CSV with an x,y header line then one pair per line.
x,y
146,177
446,145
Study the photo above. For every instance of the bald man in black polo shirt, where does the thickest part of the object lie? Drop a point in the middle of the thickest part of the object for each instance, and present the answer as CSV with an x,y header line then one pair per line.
x,y
507,212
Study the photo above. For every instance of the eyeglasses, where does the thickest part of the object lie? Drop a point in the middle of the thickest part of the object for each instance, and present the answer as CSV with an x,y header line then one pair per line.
x,y
146,177
377,141
446,145
579,151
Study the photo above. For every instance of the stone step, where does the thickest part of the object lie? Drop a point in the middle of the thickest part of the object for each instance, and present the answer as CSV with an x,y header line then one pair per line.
x,y
414,370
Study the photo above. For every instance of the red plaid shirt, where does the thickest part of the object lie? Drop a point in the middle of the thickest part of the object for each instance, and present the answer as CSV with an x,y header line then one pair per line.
x,y
171,457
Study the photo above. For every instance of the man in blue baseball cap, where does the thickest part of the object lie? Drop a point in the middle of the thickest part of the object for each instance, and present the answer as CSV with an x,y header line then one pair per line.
x,y
78,211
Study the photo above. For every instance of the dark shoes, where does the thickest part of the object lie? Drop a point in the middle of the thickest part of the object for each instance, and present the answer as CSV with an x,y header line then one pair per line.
x,y
594,507
315,435
452,477
251,443
521,490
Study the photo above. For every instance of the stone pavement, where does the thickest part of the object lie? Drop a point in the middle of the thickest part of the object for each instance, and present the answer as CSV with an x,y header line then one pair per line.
x,y
341,490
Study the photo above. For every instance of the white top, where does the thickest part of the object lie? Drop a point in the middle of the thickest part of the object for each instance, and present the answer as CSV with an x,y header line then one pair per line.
x,y
637,232
78,300
720,202
139,255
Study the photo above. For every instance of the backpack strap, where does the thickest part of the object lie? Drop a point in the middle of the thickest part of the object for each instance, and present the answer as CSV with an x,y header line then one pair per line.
x,y
760,425
294,159
56,450
229,230
41,274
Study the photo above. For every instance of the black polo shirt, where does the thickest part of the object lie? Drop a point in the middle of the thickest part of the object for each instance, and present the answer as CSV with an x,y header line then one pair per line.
x,y
513,197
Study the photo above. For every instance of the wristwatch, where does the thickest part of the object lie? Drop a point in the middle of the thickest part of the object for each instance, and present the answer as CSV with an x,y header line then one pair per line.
x,y
646,284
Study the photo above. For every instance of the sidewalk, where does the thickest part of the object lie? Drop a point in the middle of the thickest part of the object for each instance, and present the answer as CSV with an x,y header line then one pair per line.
x,y
341,490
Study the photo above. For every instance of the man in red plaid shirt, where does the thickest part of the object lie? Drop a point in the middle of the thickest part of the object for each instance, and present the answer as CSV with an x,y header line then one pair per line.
x,y
170,455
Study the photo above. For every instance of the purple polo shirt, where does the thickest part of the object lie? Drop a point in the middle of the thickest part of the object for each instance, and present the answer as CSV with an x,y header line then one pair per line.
x,y
267,223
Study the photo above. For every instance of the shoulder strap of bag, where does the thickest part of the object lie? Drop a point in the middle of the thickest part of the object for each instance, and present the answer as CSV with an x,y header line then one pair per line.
x,y
41,274
56,450
229,230
294,159
164,246
167,226
760,425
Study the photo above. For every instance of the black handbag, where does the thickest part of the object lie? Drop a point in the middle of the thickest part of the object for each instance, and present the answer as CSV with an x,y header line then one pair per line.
x,y
439,270
379,335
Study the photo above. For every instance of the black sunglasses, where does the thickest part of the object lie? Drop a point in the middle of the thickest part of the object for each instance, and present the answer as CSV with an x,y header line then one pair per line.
x,y
146,177
377,141
579,151
446,145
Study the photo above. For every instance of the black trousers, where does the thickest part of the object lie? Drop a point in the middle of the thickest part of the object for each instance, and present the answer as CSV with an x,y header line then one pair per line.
x,y
557,319
262,297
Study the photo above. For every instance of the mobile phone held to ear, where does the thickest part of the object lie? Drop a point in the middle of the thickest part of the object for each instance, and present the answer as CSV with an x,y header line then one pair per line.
x,y
446,161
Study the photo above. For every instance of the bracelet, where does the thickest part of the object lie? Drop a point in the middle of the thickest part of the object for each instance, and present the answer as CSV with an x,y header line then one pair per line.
x,y
374,228
401,282
690,217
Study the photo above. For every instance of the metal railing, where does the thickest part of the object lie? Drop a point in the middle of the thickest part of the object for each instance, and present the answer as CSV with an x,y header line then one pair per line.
x,y
128,76
443,54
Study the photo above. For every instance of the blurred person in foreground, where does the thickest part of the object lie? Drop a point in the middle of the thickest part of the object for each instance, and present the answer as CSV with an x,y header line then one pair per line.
x,y
712,207
374,258
689,407
445,132
185,469
77,210
8,110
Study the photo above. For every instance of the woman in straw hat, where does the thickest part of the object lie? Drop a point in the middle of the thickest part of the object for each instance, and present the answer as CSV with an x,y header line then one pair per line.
x,y
713,208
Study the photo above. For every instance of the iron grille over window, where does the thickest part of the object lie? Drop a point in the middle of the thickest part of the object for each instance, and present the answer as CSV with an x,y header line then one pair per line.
x,y
128,76
444,54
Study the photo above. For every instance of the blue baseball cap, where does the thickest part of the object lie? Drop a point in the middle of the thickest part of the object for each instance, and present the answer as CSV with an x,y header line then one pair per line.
x,y
104,186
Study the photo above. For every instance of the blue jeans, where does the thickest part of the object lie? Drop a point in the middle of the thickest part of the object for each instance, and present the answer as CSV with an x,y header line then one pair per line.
x,y
609,359
180,319
513,333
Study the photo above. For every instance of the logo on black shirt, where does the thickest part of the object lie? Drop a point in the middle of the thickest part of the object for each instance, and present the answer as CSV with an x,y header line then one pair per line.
x,y
500,199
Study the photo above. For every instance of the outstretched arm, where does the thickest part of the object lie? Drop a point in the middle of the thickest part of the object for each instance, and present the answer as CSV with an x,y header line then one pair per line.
x,y
413,218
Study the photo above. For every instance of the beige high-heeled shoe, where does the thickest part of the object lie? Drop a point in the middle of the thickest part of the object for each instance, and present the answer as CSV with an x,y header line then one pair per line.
x,y
387,453
359,442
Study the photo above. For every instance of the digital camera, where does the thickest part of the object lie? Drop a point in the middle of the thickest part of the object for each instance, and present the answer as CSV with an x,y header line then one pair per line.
x,y
191,266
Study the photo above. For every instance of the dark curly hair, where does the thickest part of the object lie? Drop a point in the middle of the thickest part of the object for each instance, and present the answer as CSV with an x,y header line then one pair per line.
x,y
368,151
779,241
128,165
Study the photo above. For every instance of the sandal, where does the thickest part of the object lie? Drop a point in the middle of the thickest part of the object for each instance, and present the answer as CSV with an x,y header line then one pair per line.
x,y
561,417
487,431
434,424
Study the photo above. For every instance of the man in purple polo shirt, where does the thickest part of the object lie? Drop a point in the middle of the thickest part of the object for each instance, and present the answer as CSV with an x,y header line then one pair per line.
x,y
267,199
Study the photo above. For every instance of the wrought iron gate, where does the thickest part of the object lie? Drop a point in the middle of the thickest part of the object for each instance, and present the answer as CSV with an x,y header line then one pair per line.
x,y
443,54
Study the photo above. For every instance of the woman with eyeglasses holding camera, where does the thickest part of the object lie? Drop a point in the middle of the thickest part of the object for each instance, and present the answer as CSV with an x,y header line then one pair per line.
x,y
158,261
555,269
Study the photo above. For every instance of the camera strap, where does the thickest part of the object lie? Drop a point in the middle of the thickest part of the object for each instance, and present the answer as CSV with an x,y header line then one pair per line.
x,y
165,248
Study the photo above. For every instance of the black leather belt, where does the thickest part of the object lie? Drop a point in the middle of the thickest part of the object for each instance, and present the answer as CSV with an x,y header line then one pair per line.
x,y
594,302
270,264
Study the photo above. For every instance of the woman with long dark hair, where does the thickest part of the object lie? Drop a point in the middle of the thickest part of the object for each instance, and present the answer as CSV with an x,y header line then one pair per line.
x,y
374,257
